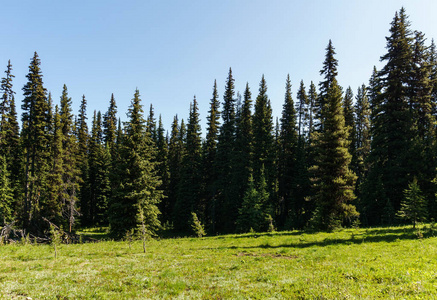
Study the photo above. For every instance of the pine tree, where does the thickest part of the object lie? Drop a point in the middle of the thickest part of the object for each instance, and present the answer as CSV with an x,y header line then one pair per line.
x,y
137,193
250,214
333,180
35,139
7,96
313,110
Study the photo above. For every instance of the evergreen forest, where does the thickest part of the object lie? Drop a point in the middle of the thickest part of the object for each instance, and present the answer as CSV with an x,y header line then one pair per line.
x,y
336,157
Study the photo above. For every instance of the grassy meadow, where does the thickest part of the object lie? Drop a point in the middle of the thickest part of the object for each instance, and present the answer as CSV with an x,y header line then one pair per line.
x,y
389,263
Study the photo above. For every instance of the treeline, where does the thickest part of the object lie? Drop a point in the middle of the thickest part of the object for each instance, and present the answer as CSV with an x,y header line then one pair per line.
x,y
332,159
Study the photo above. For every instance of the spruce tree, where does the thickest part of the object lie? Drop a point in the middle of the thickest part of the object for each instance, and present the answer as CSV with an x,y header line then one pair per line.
x,y
349,121
136,196
210,174
288,143
151,124
189,190
83,137
175,152
413,205
71,172
391,157
224,210
110,125
163,171
6,194
263,139
94,209
243,157
35,140
333,181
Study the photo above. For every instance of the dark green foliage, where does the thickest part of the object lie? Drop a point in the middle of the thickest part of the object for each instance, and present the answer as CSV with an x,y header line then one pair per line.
x,y
333,181
289,205
362,123
110,125
189,190
263,139
151,125
391,158
83,138
136,195
251,212
414,205
210,174
224,210
243,156
94,206
35,140
6,194
329,71
163,171
349,121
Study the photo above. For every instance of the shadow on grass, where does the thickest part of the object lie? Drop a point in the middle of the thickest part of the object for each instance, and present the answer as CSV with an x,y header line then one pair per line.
x,y
379,235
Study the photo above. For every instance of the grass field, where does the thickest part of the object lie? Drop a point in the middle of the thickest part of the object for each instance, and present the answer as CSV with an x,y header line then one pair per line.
x,y
389,263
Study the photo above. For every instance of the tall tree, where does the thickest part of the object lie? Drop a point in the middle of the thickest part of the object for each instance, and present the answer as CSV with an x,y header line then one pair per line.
x,y
83,137
71,172
391,166
349,121
243,156
224,210
189,192
334,182
263,139
163,172
210,174
137,193
35,137
288,143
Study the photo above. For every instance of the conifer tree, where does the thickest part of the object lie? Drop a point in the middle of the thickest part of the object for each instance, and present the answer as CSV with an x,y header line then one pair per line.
x,y
163,172
151,124
35,139
224,210
288,143
71,172
362,121
263,139
110,124
94,209
313,110
413,205
189,191
10,147
137,193
349,121
333,181
390,159
175,152
243,158
83,137
210,174
6,194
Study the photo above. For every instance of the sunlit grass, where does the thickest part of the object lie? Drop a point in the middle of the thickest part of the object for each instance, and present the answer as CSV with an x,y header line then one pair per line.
x,y
396,262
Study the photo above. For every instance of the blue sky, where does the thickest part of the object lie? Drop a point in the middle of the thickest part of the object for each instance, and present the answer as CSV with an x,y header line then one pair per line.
x,y
173,50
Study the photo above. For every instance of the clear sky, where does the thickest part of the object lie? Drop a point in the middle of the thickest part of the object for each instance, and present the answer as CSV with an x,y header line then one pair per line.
x,y
173,50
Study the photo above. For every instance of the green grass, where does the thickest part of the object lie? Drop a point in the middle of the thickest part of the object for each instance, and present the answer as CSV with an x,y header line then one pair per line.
x,y
388,263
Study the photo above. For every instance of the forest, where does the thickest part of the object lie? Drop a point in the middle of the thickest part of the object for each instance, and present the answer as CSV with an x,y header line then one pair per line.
x,y
335,157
